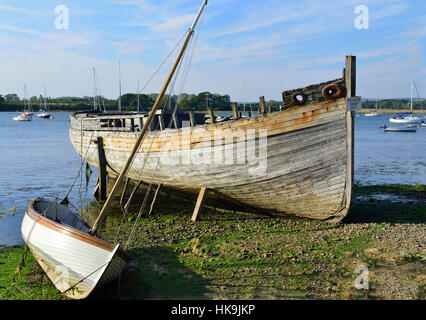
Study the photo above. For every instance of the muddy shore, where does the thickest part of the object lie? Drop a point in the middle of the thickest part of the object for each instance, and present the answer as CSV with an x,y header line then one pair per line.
x,y
236,255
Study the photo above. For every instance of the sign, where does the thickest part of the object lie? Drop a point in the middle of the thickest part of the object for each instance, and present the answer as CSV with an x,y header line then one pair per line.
x,y
353,103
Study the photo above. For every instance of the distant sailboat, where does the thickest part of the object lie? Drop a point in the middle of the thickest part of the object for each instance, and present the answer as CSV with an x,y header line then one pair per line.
x,y
44,114
407,117
373,114
27,114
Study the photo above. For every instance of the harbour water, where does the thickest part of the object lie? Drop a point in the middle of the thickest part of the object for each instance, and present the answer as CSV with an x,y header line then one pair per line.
x,y
37,159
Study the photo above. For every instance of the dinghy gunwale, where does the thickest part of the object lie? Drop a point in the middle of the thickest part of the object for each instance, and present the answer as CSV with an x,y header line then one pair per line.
x,y
70,231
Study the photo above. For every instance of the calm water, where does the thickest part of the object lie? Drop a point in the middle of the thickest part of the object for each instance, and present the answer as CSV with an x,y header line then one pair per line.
x,y
37,159
388,157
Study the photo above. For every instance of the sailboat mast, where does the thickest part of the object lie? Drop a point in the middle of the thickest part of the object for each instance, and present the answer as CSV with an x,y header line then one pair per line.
x,y
151,116
25,96
94,89
45,95
244,105
411,92
119,86
138,96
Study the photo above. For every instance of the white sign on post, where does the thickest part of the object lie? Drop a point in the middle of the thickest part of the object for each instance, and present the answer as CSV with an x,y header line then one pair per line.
x,y
353,103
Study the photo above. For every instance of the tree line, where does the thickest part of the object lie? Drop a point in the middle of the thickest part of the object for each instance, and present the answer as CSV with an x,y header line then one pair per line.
x,y
199,102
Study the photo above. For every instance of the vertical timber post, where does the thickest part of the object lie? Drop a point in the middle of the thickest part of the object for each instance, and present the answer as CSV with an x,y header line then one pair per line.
x,y
199,204
155,198
262,105
350,81
234,110
192,118
102,170
209,109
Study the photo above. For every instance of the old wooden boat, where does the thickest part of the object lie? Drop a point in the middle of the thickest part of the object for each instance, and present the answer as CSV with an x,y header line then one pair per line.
x,y
74,260
305,156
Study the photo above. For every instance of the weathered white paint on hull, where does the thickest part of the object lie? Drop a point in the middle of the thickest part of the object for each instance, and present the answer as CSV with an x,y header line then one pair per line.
x,y
306,159
68,261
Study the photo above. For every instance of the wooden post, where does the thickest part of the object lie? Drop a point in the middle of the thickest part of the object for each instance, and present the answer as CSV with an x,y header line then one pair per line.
x,y
199,204
192,118
350,80
130,200
262,105
175,120
161,121
102,193
210,109
132,125
235,110
155,198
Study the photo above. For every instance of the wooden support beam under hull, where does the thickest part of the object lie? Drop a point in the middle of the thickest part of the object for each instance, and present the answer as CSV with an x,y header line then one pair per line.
x,y
199,204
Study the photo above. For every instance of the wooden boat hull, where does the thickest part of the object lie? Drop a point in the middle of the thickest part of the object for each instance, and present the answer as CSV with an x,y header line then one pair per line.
x,y
74,261
304,166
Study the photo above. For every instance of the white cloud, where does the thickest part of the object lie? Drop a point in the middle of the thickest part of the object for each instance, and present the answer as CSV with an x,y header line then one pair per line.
x,y
173,23
14,9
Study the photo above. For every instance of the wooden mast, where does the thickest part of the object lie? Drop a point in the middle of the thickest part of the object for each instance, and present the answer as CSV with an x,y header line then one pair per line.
x,y
151,116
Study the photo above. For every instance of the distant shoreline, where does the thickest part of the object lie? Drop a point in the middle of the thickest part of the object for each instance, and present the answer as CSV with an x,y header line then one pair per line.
x,y
383,111
386,111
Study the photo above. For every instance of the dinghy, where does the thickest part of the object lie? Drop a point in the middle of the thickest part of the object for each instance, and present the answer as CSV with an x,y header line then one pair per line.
x,y
74,260
400,129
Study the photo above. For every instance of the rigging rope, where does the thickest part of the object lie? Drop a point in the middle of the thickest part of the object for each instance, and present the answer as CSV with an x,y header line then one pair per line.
x,y
186,68
164,61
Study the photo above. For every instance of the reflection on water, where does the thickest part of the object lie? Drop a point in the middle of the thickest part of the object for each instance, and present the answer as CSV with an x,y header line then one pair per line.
x,y
37,159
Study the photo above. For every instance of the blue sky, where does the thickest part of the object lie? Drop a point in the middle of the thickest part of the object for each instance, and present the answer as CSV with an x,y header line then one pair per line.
x,y
245,48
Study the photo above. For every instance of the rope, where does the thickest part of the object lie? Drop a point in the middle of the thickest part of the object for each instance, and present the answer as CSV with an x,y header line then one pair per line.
x,y
164,61
81,280
85,156
158,161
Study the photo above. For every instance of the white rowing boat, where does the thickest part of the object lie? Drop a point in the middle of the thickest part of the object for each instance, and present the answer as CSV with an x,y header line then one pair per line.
x,y
74,260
